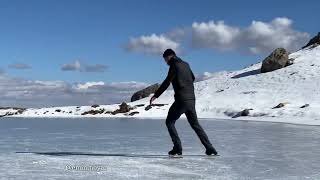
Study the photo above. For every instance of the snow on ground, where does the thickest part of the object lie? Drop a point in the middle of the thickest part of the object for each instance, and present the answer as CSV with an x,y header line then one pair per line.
x,y
226,93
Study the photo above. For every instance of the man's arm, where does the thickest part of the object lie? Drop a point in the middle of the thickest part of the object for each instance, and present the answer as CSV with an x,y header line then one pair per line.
x,y
192,75
165,84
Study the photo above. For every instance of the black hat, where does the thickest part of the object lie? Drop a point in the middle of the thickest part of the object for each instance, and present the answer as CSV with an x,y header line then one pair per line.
x,y
168,52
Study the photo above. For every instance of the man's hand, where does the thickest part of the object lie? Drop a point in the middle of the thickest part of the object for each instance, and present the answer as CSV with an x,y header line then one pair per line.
x,y
152,99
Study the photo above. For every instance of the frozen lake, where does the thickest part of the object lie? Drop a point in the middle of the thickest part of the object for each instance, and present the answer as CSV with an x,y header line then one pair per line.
x,y
248,150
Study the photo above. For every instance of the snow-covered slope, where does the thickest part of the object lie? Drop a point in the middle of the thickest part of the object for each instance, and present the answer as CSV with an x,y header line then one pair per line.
x,y
225,94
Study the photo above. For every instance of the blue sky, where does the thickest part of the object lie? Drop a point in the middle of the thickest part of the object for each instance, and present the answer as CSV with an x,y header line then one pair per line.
x,y
49,33
46,35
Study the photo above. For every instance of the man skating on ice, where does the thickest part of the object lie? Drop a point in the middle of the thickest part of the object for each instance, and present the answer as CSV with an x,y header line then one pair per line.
x,y
182,78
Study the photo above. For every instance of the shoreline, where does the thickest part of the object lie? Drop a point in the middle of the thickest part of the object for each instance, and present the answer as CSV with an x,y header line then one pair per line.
x,y
247,119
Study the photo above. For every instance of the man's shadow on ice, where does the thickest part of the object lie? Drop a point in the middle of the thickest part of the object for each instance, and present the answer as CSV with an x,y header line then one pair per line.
x,y
105,154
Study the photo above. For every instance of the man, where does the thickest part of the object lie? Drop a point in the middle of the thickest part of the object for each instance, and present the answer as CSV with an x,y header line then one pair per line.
x,y
182,78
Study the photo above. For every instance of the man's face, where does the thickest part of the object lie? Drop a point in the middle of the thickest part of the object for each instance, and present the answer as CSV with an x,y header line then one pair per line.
x,y
167,59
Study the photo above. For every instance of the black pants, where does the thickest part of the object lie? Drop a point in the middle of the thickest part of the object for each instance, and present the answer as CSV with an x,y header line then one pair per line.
x,y
175,111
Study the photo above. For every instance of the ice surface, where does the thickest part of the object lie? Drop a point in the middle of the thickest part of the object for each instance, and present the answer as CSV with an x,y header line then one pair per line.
x,y
248,150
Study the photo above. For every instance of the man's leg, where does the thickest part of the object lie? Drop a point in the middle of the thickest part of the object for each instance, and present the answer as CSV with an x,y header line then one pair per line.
x,y
174,114
193,121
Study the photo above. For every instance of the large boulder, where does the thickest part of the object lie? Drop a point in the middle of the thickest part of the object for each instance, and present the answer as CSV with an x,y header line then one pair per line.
x,y
315,41
278,59
144,92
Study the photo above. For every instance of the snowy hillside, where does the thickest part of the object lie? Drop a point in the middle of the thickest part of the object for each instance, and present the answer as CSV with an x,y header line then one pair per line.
x,y
225,94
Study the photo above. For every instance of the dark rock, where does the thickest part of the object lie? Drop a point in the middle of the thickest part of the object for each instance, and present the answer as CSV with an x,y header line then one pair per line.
x,y
124,107
139,105
276,60
95,106
290,62
144,92
21,110
245,112
153,105
304,106
148,108
315,41
15,108
10,113
58,110
133,113
94,112
279,106
249,92
158,105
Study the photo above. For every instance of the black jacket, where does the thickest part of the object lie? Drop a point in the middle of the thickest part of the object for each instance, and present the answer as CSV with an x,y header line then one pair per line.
x,y
181,77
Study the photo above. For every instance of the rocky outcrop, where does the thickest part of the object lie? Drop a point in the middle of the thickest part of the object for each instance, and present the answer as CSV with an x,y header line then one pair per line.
x,y
245,112
153,105
14,108
144,92
278,59
280,105
133,113
16,111
304,106
95,106
315,41
123,108
94,112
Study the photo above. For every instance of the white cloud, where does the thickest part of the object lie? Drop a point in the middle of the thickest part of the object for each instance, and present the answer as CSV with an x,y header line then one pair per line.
x,y
87,85
259,37
214,35
264,37
19,66
128,85
77,66
29,93
177,34
153,44
71,67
